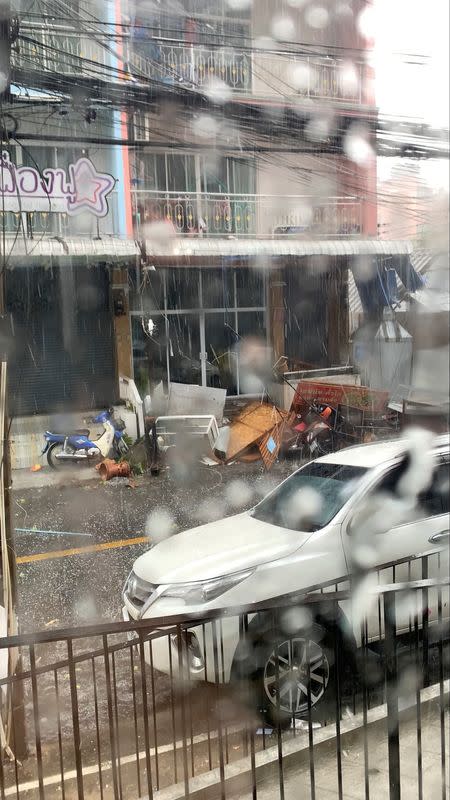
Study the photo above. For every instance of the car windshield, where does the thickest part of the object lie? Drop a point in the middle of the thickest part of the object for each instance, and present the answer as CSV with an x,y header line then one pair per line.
x,y
311,497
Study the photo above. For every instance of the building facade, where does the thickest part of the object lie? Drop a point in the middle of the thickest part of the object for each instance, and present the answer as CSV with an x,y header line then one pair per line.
x,y
220,225
212,184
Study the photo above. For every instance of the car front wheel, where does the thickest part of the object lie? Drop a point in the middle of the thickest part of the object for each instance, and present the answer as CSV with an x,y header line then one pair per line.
x,y
295,668
295,675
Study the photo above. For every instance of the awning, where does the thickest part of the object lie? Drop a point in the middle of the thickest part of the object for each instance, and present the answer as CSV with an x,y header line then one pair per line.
x,y
420,261
195,251
23,252
184,251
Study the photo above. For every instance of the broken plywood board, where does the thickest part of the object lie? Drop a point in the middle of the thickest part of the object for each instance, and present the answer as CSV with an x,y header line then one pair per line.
x,y
270,444
252,424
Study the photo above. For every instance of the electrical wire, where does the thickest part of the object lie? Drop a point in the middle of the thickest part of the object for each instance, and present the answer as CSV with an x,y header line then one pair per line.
x,y
97,69
290,47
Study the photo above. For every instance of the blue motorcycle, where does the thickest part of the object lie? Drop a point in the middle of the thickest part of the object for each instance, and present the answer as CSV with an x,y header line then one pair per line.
x,y
68,447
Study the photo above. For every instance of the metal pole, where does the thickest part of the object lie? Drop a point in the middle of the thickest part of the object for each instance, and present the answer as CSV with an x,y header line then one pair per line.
x,y
9,576
392,696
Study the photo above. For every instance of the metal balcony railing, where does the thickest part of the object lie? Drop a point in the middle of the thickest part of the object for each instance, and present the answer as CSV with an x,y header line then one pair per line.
x,y
38,224
51,48
214,214
192,64
350,696
245,70
59,49
313,77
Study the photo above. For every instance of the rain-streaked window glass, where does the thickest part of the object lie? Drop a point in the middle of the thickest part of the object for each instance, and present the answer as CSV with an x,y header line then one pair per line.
x,y
218,288
250,287
183,287
146,290
224,397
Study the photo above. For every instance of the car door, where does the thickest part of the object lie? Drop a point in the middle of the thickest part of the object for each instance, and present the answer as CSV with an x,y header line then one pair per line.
x,y
427,532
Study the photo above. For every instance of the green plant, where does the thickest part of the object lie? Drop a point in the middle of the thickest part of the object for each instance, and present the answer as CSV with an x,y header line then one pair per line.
x,y
138,469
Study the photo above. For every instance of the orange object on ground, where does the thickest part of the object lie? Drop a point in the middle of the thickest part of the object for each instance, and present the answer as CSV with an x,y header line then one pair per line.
x,y
35,468
108,469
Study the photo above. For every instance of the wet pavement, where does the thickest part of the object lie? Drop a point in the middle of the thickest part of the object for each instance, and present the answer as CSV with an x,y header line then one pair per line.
x,y
76,538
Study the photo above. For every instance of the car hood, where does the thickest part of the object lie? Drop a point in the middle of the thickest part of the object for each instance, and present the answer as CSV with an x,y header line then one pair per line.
x,y
219,548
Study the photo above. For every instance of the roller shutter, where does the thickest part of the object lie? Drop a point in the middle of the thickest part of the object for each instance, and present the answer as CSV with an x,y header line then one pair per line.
x,y
62,356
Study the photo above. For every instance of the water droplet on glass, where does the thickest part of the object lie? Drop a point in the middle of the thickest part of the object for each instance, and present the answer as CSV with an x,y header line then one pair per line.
x,y
283,28
160,525
239,494
296,619
302,77
159,232
350,78
205,126
239,5
85,608
357,146
318,129
217,91
364,555
302,507
316,17
210,510
264,43
364,268
366,23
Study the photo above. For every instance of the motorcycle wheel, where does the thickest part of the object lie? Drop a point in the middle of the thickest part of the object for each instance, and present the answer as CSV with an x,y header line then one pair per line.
x,y
53,462
120,448
321,446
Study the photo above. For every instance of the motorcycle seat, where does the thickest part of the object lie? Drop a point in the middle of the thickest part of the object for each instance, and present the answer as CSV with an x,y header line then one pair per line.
x,y
78,432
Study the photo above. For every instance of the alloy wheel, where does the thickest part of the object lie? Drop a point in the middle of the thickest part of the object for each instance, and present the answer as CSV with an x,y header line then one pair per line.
x,y
294,668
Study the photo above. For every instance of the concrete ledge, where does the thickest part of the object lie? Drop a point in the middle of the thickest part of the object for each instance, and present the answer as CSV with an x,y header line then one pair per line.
x,y
238,775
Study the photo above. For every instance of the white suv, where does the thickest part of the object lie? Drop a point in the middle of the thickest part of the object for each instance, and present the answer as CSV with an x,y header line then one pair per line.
x,y
353,506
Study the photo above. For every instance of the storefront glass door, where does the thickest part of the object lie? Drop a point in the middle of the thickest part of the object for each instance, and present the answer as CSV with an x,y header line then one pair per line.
x,y
184,356
198,320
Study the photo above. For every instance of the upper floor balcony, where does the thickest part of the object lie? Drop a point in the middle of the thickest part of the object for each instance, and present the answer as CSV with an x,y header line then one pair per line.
x,y
249,215
247,71
61,49
33,226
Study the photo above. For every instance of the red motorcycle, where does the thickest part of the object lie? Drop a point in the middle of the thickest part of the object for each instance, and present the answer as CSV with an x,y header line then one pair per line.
x,y
312,433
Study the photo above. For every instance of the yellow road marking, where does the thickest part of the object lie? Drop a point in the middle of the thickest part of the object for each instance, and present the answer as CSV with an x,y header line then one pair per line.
x,y
76,551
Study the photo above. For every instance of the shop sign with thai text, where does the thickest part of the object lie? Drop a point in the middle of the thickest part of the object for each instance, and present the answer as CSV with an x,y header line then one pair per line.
x,y
334,394
78,189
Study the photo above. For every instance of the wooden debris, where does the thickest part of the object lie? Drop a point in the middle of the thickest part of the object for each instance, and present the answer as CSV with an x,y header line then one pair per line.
x,y
254,423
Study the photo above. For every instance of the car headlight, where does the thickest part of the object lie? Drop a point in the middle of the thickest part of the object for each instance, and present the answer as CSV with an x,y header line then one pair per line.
x,y
137,590
205,591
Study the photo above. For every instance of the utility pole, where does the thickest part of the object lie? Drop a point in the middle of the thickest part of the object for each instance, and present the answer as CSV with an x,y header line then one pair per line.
x,y
12,723
5,73
6,27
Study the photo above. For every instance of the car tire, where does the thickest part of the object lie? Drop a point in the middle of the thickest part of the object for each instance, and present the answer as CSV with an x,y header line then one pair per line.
x,y
274,669
283,676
